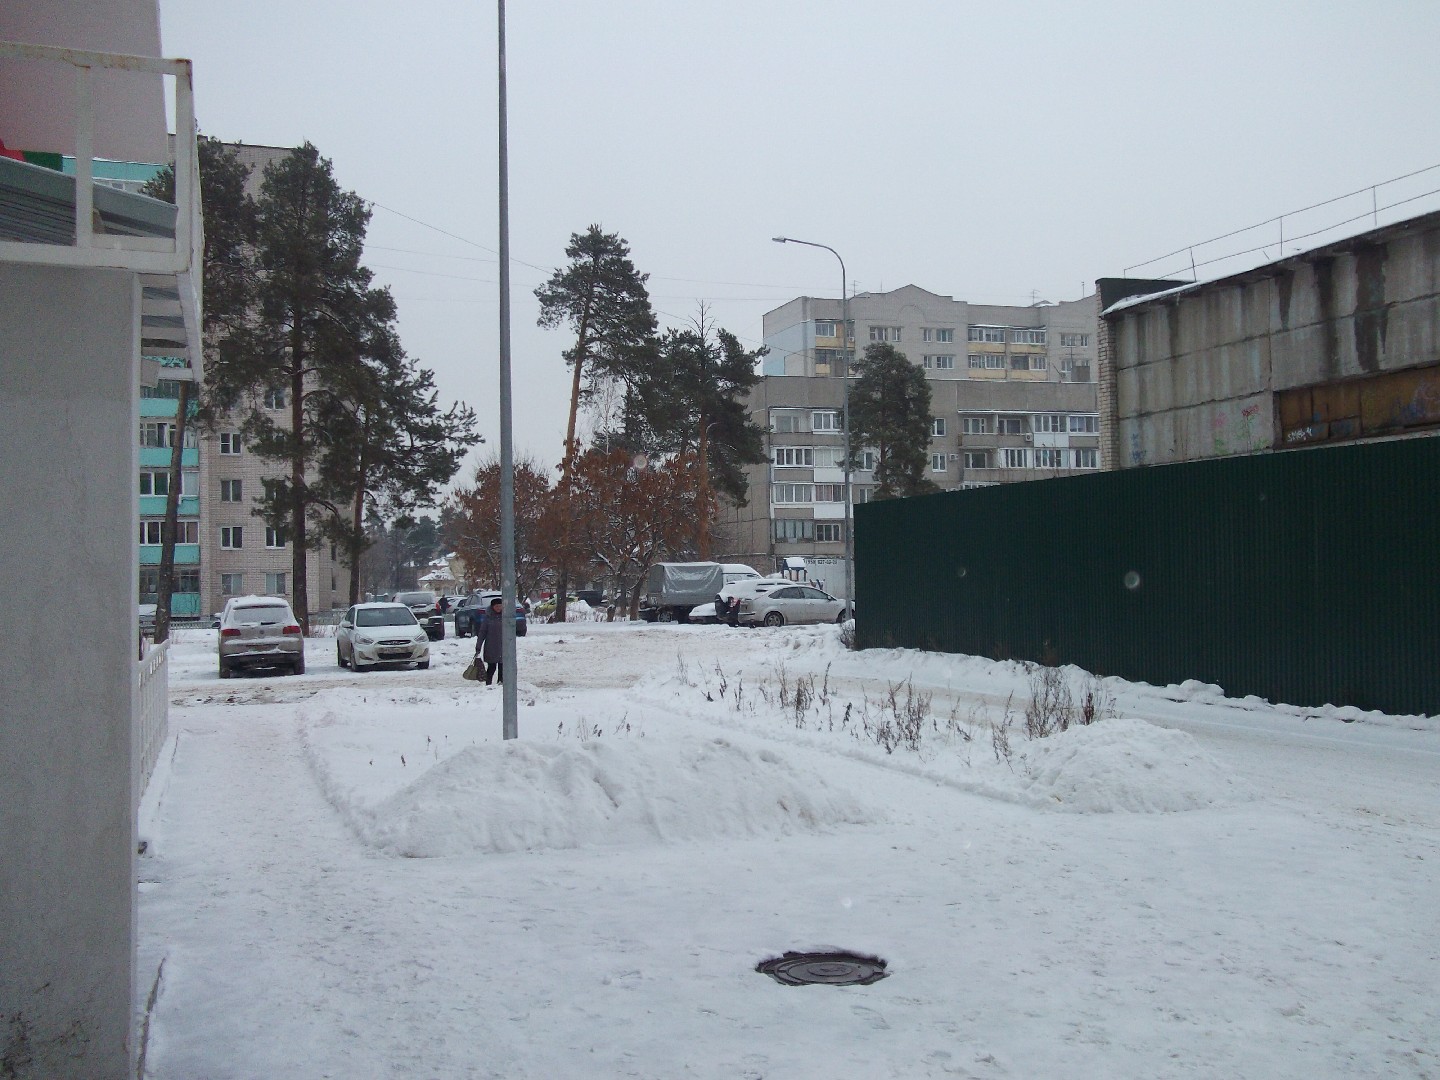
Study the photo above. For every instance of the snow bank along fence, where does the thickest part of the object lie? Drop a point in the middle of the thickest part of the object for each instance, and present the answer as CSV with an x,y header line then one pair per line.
x,y
1307,577
153,674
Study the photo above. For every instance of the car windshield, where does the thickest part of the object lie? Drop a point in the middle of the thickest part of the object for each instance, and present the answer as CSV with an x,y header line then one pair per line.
x,y
414,598
389,616
265,614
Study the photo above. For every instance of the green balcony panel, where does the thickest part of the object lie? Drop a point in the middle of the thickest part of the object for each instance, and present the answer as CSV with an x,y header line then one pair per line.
x,y
151,408
158,457
185,554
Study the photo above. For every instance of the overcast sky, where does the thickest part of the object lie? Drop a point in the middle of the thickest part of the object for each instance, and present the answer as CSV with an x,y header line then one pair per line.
x,y
993,152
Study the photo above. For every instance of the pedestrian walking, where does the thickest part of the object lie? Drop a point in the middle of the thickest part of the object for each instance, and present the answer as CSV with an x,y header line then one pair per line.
x,y
490,642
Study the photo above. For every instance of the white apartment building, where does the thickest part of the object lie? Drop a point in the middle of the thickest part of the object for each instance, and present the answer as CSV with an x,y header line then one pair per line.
x,y
1013,399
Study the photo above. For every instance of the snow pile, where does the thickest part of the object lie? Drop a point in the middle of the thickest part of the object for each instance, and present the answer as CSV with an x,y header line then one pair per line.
x,y
1126,764
526,797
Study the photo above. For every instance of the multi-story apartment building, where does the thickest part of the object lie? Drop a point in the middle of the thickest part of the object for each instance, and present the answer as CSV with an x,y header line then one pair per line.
x,y
242,554
1013,398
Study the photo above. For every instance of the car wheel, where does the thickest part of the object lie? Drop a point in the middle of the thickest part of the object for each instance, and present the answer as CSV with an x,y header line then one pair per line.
x,y
224,670
844,616
358,666
774,618
299,666
339,656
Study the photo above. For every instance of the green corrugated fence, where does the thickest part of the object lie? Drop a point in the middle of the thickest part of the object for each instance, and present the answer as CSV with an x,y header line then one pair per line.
x,y
1306,577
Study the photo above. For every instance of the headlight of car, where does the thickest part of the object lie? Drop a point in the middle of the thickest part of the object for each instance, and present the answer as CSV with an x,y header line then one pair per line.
x,y
364,639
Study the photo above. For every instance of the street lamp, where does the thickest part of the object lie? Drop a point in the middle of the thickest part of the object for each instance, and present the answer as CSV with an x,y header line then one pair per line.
x,y
845,410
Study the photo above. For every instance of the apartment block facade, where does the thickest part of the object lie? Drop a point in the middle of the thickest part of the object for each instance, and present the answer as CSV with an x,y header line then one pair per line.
x,y
1013,399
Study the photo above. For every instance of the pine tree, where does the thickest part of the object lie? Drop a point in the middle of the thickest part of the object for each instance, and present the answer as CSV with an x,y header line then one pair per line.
x,y
602,299
308,328
691,399
890,413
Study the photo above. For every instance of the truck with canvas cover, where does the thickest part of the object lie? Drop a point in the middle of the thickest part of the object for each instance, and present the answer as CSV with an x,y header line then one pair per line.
x,y
672,589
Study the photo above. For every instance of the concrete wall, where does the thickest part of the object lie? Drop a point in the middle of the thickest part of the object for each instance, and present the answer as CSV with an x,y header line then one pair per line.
x,y
67,687
1196,373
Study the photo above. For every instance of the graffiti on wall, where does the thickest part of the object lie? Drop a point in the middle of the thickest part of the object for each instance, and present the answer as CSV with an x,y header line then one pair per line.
x,y
1236,431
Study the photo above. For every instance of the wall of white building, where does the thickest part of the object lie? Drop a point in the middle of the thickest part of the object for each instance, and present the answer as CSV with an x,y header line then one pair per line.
x,y
67,672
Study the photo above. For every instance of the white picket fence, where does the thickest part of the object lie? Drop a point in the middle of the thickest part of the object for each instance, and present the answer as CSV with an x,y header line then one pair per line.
x,y
153,673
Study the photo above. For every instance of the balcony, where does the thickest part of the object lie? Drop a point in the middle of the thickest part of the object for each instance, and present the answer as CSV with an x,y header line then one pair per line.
x,y
48,218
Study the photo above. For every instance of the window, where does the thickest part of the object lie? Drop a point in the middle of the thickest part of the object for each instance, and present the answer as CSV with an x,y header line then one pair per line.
x,y
975,425
152,531
190,482
275,584
154,483
1050,422
792,456
977,459
986,360
1015,457
937,334
230,442
824,327
940,363
829,532
1028,337
1087,459
156,434
1038,362
1086,425
229,490
829,493
274,538
828,420
187,580
791,530
863,495
829,457
987,333
1019,362
232,584
937,462
275,399
1075,341
828,361
884,333
1047,457
231,537
1010,425
937,427
791,493
787,421
865,461
167,389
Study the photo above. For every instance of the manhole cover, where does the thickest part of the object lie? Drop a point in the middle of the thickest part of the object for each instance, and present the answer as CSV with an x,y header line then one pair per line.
x,y
829,968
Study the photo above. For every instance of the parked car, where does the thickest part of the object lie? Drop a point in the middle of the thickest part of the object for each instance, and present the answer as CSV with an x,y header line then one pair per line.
x,y
147,619
259,632
727,601
472,609
791,603
381,633
425,605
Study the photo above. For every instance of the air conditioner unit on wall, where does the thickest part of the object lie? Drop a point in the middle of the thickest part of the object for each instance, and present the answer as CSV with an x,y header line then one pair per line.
x,y
954,457
1029,437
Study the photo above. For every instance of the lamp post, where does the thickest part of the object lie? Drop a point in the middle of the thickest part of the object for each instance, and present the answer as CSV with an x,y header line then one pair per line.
x,y
845,410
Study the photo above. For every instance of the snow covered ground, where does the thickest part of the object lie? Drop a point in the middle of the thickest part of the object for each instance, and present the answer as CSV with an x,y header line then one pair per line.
x,y
353,876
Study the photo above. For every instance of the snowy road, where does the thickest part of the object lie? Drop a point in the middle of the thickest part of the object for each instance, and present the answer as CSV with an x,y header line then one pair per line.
x,y
595,906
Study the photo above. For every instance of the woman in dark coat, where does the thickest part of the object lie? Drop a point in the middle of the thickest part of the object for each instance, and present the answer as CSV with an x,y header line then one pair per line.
x,y
490,643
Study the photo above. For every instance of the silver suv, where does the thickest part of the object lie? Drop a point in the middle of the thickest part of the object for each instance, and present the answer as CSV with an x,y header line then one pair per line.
x,y
260,632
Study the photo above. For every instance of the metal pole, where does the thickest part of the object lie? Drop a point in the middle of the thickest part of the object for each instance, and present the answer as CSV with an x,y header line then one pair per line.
x,y
509,698
845,411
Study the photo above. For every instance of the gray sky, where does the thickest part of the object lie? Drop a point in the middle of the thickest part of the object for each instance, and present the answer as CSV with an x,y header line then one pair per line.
x,y
993,152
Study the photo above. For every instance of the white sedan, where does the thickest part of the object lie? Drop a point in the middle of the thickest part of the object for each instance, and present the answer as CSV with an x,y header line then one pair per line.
x,y
791,604
376,633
